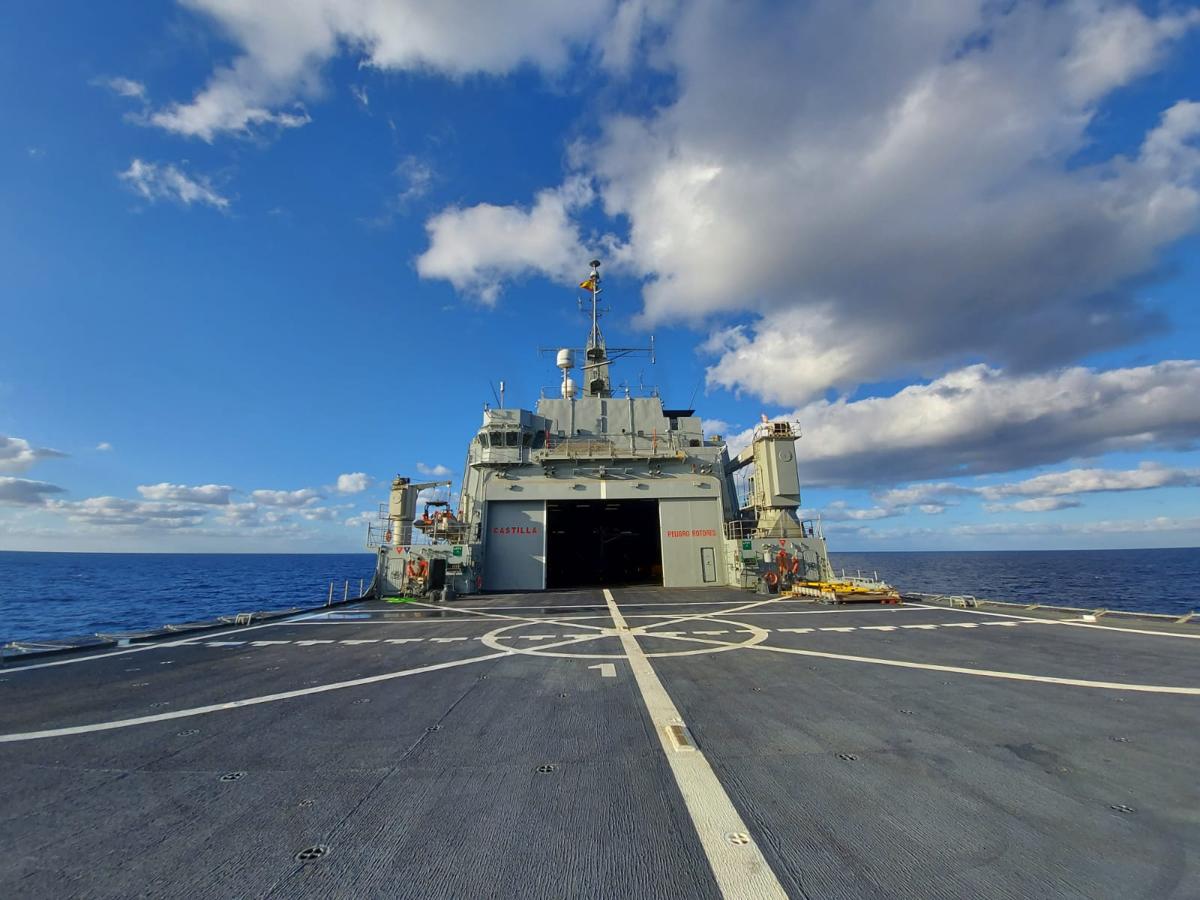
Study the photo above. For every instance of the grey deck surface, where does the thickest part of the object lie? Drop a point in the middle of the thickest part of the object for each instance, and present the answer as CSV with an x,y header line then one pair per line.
x,y
854,777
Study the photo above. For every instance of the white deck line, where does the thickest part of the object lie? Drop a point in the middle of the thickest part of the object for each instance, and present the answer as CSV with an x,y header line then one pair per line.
x,y
740,869
236,704
1039,621
962,670
158,644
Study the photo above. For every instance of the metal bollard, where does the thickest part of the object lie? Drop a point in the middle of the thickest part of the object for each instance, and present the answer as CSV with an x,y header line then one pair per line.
x,y
360,587
346,590
329,602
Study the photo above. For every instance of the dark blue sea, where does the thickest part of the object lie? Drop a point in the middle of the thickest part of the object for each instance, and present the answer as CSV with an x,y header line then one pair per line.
x,y
45,595
1163,581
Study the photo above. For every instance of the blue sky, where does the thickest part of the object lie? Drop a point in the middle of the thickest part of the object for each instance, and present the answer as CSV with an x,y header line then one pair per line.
x,y
254,261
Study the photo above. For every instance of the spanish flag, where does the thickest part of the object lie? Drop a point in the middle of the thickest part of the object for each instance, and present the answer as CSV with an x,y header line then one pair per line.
x,y
589,285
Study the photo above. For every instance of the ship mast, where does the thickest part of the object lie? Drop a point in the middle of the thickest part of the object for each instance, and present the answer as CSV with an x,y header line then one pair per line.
x,y
596,380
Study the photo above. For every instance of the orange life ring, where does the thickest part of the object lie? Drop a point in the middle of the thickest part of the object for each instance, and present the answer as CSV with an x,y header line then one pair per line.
x,y
771,578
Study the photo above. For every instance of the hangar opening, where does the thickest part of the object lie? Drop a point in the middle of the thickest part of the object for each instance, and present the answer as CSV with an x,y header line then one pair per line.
x,y
602,542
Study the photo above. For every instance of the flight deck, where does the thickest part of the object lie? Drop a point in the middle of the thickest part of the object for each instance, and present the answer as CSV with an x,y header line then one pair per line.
x,y
636,742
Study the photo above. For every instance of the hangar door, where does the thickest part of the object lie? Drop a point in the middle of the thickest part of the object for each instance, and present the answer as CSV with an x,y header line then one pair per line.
x,y
602,542
516,546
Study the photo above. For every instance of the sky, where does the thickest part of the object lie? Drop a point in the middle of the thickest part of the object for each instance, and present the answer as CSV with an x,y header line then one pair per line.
x,y
257,259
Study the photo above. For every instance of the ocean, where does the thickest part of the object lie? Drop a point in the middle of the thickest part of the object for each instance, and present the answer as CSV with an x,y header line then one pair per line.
x,y
48,595
1161,581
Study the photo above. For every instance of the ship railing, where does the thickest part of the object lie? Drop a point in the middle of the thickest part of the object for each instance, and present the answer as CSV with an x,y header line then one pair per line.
x,y
747,529
620,446
380,535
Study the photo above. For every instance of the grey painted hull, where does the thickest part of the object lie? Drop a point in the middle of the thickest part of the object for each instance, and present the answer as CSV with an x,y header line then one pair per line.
x,y
869,752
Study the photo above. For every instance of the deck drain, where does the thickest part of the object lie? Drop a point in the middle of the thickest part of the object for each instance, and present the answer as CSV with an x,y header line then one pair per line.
x,y
433,728
232,776
757,690
546,768
848,757
272,668
737,837
140,684
188,733
312,854
1121,807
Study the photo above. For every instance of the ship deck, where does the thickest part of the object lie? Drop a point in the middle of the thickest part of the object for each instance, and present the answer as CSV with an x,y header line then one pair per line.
x,y
648,743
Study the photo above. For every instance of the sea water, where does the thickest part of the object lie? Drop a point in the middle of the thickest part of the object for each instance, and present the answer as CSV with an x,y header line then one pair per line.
x,y
47,595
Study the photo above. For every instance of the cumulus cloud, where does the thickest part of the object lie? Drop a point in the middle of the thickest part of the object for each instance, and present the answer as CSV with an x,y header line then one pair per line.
x,y
476,248
283,47
435,471
902,192
216,494
23,492
292,499
1147,476
979,420
104,446
353,482
18,455
885,193
115,511
164,181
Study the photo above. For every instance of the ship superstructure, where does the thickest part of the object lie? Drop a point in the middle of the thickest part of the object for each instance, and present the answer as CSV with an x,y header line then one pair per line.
x,y
600,487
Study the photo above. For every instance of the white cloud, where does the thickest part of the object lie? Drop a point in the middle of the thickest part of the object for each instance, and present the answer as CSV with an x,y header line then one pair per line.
x,y
104,446
1152,525
215,494
839,511
715,426
353,482
360,94
1036,504
115,511
23,492
165,181
293,499
18,455
476,248
979,420
124,87
436,471
1147,476
283,47
892,193
938,494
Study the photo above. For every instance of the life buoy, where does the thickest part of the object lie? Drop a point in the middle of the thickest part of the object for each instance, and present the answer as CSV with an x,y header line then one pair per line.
x,y
771,578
